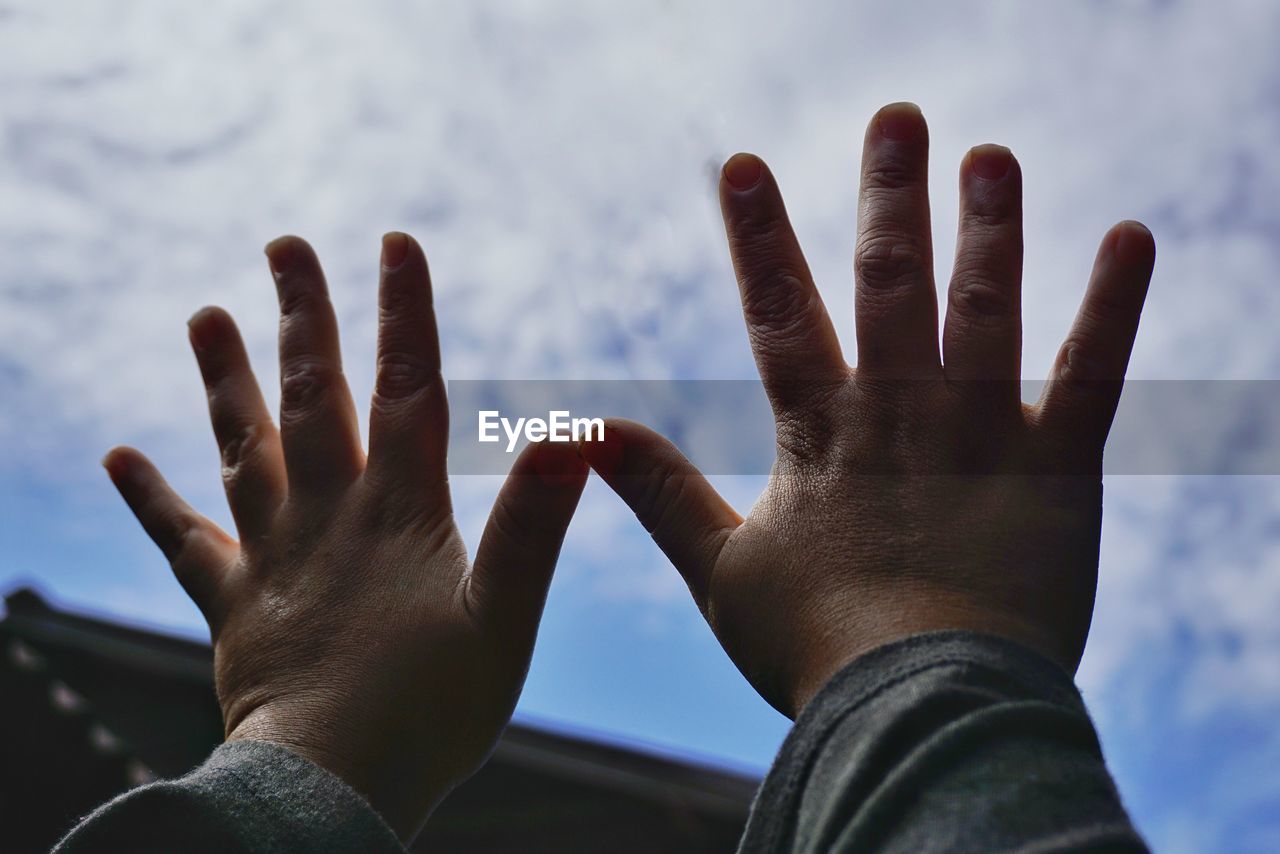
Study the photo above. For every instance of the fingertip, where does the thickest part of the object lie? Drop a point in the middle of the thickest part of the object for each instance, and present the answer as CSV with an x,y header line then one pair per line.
x,y
743,171
284,252
603,453
204,327
115,462
558,464
395,250
990,162
123,464
1132,243
901,121
208,313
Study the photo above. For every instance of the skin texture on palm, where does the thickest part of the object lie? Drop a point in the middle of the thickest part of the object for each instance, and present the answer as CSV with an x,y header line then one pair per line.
x,y
916,492
347,621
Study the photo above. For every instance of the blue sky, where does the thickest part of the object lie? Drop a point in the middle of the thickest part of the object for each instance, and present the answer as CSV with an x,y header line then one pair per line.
x,y
557,161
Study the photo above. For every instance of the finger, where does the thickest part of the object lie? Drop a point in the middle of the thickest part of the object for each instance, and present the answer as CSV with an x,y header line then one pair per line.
x,y
1084,386
195,547
795,345
677,505
895,306
521,541
409,424
252,459
317,418
982,338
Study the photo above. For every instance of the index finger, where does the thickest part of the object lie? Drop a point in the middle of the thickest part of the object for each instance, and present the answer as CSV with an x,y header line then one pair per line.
x,y
794,343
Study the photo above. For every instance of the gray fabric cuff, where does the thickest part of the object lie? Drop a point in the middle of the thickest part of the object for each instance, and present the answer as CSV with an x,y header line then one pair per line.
x,y
249,796
942,741
300,801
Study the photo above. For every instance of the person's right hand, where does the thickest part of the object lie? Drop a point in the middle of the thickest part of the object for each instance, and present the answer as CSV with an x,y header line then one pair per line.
x,y
348,624
916,492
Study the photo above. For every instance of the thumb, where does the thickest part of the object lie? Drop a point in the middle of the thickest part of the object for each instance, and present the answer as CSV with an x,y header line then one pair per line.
x,y
198,550
677,505
521,541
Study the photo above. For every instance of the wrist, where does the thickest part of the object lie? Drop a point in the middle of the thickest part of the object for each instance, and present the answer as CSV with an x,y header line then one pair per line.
x,y
835,651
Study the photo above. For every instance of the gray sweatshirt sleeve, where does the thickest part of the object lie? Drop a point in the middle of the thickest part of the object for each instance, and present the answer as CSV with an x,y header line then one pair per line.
x,y
949,741
248,797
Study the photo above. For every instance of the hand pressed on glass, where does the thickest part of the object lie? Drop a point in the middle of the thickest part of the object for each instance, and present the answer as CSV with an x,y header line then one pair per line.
x,y
347,622
915,492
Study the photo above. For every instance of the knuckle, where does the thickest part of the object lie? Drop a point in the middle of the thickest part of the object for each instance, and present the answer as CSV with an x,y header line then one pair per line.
x,y
659,497
304,383
511,526
777,303
402,297
759,227
401,375
398,504
898,420
1077,366
296,297
990,217
1107,305
886,259
239,445
178,548
976,297
890,173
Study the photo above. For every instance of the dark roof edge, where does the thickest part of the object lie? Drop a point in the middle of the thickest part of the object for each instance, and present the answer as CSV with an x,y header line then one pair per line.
x,y
552,748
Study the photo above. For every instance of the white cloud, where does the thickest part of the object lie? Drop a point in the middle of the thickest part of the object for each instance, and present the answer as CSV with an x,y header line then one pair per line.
x,y
556,160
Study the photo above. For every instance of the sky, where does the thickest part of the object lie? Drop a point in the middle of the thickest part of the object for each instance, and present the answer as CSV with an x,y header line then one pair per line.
x,y
557,160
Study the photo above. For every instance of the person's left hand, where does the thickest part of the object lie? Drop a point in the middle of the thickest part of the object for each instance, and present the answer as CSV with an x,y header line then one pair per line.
x,y
347,622
916,492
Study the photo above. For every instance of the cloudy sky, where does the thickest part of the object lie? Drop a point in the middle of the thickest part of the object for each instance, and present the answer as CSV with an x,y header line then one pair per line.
x,y
557,161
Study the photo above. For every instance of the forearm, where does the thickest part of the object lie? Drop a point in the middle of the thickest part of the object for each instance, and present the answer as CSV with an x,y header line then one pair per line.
x,y
248,797
947,741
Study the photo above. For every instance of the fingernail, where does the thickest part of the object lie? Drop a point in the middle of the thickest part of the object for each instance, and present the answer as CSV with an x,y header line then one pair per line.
x,y
1134,242
743,171
395,249
281,255
900,122
990,162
